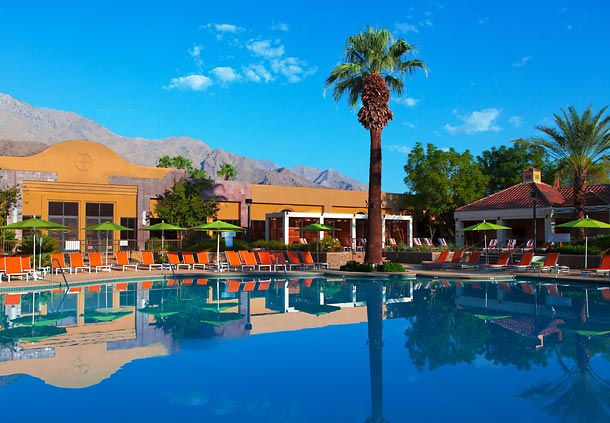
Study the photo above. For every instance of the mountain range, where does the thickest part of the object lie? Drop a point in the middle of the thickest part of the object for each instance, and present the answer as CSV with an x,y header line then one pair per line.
x,y
26,130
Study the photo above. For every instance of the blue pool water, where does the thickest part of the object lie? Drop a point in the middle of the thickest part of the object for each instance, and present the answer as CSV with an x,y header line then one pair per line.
x,y
302,350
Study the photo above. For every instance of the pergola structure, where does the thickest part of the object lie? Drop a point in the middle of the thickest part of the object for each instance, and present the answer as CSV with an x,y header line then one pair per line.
x,y
284,226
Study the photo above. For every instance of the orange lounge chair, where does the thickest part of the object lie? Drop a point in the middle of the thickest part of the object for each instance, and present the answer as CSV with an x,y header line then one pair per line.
x,y
442,258
264,260
604,267
264,285
147,284
295,261
527,288
473,261
77,263
279,260
94,288
606,294
187,282
308,260
504,286
553,290
456,260
248,258
202,261
235,262
12,299
95,260
202,282
502,262
524,264
188,258
58,263
551,263
233,286
12,269
249,286
121,286
148,260
174,261
307,282
123,261
26,266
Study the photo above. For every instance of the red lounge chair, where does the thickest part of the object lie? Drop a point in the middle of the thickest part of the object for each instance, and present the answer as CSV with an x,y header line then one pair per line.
x,y
455,260
473,260
121,287
459,284
493,243
187,282
148,260
307,282
264,285
249,286
529,244
202,282
147,284
77,263
248,258
94,288
510,244
280,260
202,261
233,286
524,264
58,263
13,269
475,285
527,288
174,261
123,261
188,259
502,262
445,283
504,286
442,258
264,260
606,294
75,289
308,260
95,260
552,290
295,261
604,267
12,299
235,262
293,283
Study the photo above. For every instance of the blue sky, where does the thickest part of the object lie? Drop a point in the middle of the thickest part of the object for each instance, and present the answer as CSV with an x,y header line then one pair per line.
x,y
248,77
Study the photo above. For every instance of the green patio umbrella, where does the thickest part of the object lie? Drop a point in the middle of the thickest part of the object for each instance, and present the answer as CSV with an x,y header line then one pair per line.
x,y
585,223
34,223
485,226
218,226
318,227
162,227
107,226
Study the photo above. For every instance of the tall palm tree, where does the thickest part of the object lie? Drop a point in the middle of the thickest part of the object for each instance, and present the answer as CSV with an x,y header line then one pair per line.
x,y
227,171
373,66
579,144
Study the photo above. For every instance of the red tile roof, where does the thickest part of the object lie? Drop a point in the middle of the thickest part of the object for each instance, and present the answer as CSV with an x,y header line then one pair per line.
x,y
520,196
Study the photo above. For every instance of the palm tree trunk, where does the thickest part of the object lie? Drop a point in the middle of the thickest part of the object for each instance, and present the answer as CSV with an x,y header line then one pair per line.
x,y
373,245
578,186
374,313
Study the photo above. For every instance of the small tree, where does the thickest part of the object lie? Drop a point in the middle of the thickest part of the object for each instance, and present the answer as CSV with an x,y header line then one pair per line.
x,y
183,204
227,172
181,162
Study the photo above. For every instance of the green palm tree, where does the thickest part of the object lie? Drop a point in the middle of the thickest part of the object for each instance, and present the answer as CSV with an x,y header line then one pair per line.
x,y
374,65
579,144
164,161
227,171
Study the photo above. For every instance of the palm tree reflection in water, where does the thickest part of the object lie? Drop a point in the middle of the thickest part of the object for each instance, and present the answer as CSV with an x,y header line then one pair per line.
x,y
375,321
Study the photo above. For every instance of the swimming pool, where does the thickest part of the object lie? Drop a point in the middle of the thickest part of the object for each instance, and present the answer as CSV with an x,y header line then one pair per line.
x,y
308,349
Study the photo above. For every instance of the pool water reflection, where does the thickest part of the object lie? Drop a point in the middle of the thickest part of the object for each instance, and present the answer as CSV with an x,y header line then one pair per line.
x,y
277,350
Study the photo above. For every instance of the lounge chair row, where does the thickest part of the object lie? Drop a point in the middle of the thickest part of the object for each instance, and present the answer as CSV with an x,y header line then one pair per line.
x,y
526,263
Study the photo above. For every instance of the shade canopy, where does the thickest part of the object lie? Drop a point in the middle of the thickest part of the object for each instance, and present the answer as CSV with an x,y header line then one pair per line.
x,y
162,227
485,226
107,226
585,223
219,226
35,223
317,227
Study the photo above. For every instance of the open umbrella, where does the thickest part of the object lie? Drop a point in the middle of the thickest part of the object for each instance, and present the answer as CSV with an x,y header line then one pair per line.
x,y
107,226
318,227
162,227
585,223
485,226
34,223
218,226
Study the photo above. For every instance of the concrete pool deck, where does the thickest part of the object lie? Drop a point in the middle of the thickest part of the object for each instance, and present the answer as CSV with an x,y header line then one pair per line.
x,y
411,271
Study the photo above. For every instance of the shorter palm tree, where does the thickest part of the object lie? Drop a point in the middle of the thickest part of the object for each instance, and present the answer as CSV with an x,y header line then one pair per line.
x,y
579,143
227,171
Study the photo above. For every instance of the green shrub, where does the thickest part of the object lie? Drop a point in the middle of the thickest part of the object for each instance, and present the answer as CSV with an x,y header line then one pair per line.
x,y
578,249
354,266
390,266
44,243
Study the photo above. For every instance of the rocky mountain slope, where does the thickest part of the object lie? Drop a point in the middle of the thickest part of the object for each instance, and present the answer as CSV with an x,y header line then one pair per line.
x,y
26,130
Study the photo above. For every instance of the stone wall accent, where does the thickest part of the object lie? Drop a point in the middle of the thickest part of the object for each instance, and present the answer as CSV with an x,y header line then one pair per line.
x,y
9,178
232,191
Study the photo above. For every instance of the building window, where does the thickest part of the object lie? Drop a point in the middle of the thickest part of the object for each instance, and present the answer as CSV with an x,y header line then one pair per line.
x,y
131,223
98,213
65,213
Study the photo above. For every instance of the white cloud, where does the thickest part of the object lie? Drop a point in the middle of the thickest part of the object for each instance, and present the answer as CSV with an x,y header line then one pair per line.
x,y
280,26
224,27
195,53
522,62
484,20
225,74
409,124
292,68
426,22
408,101
257,73
516,121
477,121
264,48
569,27
193,82
398,148
405,28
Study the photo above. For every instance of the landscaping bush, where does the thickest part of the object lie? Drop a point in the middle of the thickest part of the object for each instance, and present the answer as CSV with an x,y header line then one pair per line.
x,y
577,249
354,266
44,243
390,266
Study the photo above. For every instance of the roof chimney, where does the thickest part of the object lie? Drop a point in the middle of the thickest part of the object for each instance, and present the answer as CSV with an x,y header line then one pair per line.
x,y
531,174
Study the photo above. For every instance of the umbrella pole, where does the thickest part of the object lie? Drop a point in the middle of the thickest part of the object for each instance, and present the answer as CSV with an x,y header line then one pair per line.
x,y
106,247
586,247
218,252
162,240
485,247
